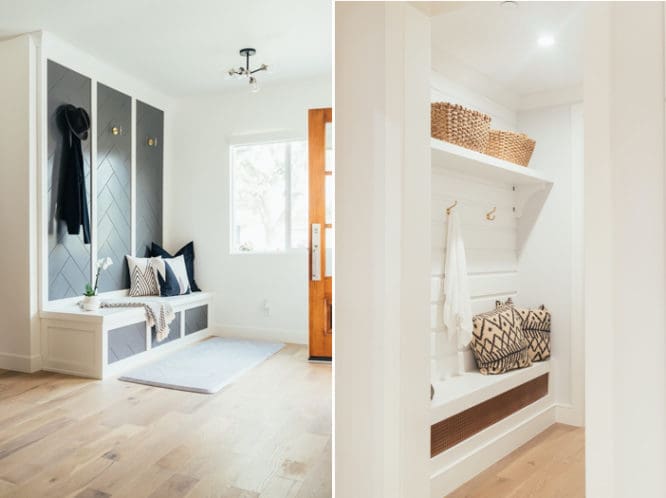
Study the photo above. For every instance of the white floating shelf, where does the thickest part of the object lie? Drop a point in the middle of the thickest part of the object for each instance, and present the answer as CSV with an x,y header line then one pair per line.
x,y
454,158
469,389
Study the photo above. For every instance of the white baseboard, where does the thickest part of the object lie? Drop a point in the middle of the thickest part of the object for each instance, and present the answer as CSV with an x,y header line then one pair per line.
x,y
280,335
569,415
461,463
20,362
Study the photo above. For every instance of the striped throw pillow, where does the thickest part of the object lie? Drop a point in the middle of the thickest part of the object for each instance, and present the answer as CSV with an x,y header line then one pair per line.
x,y
143,278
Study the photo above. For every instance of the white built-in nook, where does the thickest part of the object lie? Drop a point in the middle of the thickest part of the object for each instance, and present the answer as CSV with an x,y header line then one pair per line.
x,y
530,252
483,56
125,161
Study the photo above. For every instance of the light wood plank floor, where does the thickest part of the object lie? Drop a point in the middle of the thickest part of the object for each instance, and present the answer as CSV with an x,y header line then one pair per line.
x,y
267,435
552,465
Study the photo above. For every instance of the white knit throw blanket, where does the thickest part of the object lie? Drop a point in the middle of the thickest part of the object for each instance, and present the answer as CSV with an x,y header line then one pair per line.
x,y
158,315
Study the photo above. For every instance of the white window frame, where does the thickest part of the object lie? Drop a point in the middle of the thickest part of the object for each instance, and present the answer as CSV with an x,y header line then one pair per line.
x,y
234,251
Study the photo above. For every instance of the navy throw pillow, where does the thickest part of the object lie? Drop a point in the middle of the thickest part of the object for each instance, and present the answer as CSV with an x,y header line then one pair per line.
x,y
169,285
187,251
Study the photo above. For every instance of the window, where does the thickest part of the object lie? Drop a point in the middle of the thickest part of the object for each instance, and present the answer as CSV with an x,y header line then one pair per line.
x,y
269,203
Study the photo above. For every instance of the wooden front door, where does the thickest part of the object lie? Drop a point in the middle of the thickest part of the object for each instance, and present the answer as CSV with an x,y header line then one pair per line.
x,y
320,155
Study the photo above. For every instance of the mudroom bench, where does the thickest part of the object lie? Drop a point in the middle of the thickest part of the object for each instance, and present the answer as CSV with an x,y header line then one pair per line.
x,y
106,342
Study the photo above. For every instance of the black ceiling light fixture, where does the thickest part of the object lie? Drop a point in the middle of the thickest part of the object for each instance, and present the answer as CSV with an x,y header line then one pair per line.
x,y
246,71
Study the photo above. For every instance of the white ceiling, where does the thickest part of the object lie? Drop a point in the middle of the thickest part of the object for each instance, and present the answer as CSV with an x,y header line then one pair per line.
x,y
185,47
500,41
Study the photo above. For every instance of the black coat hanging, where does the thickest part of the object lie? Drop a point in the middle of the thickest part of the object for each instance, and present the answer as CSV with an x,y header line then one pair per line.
x,y
72,199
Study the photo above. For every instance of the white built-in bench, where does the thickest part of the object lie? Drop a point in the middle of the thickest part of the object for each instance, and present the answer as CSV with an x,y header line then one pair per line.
x,y
106,342
471,388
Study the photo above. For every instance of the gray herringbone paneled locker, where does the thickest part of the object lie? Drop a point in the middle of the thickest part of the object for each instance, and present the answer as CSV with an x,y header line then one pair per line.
x,y
69,258
126,341
196,319
114,170
149,171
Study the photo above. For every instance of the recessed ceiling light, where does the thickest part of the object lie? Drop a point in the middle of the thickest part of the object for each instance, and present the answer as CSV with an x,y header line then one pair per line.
x,y
546,41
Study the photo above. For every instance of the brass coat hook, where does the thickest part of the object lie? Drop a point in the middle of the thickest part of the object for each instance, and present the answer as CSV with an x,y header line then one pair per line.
x,y
490,215
117,130
151,142
448,209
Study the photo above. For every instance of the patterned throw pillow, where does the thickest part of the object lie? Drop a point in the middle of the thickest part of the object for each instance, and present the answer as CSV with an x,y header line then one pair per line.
x,y
536,327
143,278
498,342
172,276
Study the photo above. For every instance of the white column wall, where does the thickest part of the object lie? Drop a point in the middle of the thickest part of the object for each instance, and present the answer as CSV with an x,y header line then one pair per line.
x,y
382,250
19,327
551,256
624,276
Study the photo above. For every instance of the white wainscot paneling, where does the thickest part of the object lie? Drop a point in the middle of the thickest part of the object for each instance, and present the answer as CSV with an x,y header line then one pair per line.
x,y
490,249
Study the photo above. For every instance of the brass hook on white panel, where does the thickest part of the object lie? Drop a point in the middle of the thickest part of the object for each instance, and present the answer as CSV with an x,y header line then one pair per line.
x,y
490,215
448,209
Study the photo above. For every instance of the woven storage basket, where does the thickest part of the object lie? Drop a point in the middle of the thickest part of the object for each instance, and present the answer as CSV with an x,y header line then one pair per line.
x,y
458,125
513,147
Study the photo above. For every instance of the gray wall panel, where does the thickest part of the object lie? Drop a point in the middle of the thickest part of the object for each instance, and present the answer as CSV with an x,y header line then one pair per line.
x,y
69,258
149,171
126,341
174,332
114,165
196,319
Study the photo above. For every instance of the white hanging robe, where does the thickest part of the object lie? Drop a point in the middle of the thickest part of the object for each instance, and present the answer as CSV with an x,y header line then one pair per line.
x,y
457,315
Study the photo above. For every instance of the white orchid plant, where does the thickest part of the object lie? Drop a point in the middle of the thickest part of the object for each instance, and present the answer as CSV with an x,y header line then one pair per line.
x,y
102,264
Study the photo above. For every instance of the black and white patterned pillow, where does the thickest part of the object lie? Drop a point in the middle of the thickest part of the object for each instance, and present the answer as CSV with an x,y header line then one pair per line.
x,y
143,278
498,341
172,277
536,327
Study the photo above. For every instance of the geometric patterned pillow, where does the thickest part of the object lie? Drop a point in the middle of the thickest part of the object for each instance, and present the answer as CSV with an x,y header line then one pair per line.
x,y
143,278
498,341
536,327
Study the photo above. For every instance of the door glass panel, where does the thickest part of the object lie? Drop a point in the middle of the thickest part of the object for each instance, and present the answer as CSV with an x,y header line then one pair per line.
x,y
329,194
328,153
330,241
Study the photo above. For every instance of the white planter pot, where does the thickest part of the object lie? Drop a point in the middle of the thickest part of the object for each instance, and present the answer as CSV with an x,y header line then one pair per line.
x,y
91,303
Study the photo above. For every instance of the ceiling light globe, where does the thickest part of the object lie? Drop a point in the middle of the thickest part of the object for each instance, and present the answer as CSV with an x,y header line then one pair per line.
x,y
546,41
254,86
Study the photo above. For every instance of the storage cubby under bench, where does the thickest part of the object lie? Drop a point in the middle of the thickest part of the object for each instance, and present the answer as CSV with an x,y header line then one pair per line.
x,y
106,342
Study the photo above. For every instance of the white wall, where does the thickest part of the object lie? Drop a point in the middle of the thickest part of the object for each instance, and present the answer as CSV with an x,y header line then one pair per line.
x,y
551,257
459,83
381,287
446,88
624,238
490,250
19,327
197,205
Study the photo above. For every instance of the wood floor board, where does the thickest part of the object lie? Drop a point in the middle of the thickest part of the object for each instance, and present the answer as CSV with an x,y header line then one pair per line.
x,y
552,465
268,434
